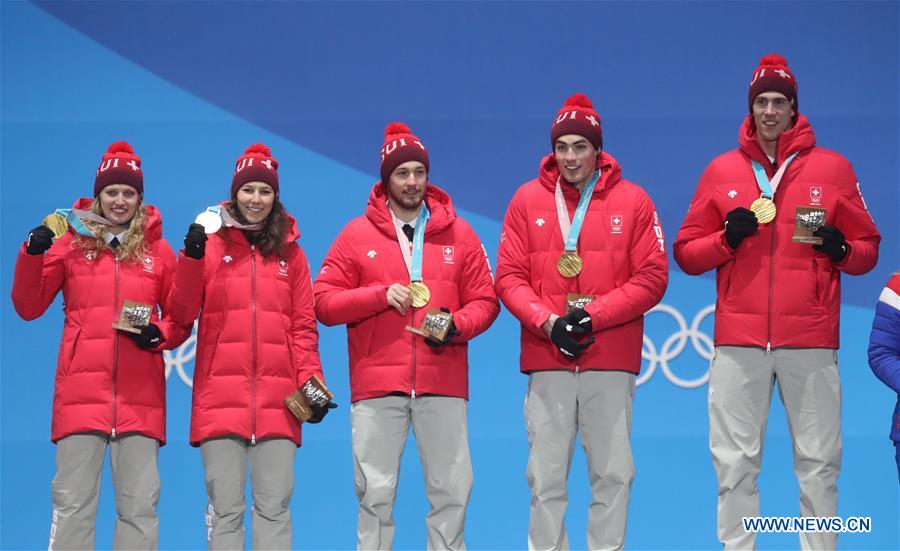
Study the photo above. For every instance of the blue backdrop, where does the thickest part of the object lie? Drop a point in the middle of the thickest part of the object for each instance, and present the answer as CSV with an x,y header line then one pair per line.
x,y
190,84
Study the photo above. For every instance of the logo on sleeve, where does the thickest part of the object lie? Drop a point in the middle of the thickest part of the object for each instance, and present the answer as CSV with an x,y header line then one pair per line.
x,y
815,195
657,230
732,194
371,253
448,254
540,222
616,222
227,258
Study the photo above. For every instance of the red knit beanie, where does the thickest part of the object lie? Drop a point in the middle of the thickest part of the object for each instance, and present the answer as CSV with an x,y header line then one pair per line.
x,y
773,75
119,166
577,116
400,146
255,165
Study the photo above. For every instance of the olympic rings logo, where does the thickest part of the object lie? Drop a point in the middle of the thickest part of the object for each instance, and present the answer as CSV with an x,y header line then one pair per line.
x,y
674,345
177,360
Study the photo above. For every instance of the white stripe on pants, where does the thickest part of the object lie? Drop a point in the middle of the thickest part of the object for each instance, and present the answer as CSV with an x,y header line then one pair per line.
x,y
596,404
76,488
741,380
440,426
272,483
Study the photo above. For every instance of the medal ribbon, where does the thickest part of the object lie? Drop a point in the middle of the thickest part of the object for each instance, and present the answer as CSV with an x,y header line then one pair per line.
x,y
413,258
230,222
571,230
415,270
76,217
765,186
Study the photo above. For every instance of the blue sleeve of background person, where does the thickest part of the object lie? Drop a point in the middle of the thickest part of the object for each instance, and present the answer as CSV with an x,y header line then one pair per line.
x,y
884,346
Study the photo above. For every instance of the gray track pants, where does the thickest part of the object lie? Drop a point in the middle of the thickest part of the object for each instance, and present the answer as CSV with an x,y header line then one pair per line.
x,y
597,405
272,482
380,427
76,489
741,380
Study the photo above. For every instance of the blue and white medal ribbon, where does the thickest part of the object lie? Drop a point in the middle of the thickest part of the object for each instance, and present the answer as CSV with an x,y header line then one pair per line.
x,y
764,207
62,219
570,264
417,289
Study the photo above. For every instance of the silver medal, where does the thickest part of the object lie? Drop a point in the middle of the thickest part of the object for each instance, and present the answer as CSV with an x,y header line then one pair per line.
x,y
210,220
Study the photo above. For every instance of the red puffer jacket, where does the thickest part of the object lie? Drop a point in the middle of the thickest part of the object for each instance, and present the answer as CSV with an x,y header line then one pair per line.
x,y
352,288
771,291
104,381
625,267
257,340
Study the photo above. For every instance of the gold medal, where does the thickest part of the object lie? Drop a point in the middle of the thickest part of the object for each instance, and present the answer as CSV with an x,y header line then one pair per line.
x,y
764,209
569,264
420,294
57,224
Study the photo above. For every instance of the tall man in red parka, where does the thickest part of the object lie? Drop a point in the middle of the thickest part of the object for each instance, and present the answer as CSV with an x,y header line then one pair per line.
x,y
407,254
778,302
581,259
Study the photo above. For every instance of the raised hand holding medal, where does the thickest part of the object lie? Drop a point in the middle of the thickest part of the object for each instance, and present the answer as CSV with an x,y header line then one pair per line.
x,y
764,207
570,263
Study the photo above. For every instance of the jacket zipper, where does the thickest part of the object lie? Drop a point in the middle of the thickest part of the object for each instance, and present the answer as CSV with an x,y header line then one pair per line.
x,y
412,321
253,309
771,282
115,355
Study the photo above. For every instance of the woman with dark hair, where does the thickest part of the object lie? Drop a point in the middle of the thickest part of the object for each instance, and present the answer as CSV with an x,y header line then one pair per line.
x,y
257,343
110,389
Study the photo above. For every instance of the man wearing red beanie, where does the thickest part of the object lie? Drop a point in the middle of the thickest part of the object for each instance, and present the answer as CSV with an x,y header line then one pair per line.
x,y
408,256
778,303
581,259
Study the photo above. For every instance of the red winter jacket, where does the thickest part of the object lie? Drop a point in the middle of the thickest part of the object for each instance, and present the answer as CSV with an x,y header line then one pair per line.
x,y
104,381
625,267
257,340
771,291
352,288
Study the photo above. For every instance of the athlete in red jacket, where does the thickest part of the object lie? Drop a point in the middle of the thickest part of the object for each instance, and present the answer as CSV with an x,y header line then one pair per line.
x,y
372,279
581,259
778,303
110,389
257,343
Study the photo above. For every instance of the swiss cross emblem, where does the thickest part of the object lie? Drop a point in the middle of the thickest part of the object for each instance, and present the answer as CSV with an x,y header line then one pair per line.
x,y
371,254
615,223
540,222
448,254
815,195
227,258
732,194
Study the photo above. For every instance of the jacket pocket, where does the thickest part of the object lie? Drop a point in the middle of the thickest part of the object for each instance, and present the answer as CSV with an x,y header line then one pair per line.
x,y
67,353
211,354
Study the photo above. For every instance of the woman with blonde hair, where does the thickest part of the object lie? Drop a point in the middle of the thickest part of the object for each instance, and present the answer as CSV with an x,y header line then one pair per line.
x,y
110,384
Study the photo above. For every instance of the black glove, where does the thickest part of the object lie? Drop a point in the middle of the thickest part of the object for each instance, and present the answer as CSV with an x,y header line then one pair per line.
x,y
195,242
319,412
452,331
148,337
578,317
564,335
739,223
833,243
39,240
